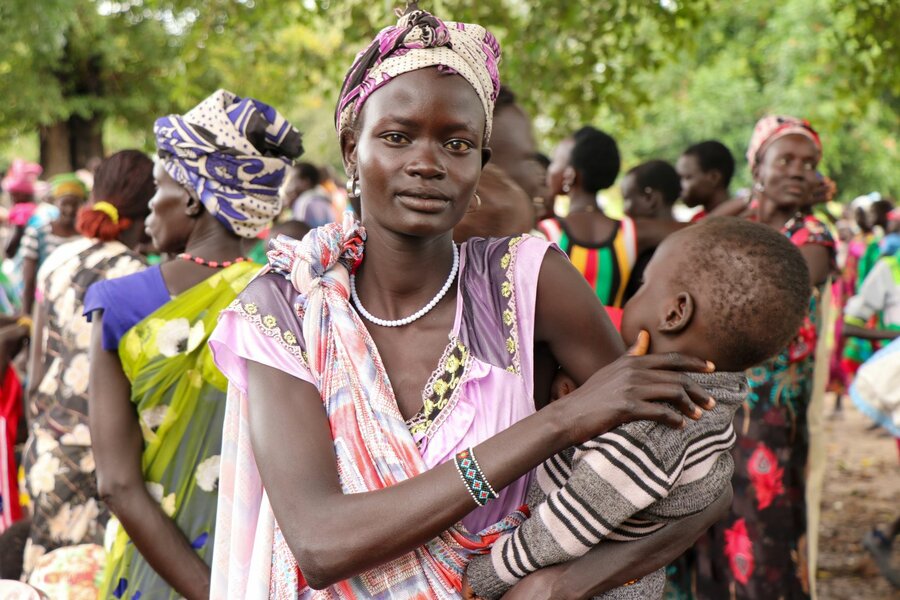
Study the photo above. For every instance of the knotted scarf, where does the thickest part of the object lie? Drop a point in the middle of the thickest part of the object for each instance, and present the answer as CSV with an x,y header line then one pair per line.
x,y
68,184
421,40
773,127
231,153
373,446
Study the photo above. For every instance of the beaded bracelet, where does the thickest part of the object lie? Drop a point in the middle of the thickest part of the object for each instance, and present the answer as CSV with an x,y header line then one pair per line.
x,y
477,484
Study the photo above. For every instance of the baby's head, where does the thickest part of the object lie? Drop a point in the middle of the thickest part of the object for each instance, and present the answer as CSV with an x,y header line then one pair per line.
x,y
727,290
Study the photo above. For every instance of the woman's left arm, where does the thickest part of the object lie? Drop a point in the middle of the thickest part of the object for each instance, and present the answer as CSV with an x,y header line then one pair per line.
x,y
818,259
29,278
574,324
118,446
36,362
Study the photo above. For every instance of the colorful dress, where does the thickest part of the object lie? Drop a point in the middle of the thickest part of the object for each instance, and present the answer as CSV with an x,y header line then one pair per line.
x,y
758,552
482,384
179,396
606,266
57,458
10,414
844,286
34,219
878,296
862,258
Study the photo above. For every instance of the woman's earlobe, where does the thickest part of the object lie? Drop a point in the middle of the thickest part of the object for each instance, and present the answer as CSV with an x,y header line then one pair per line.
x,y
349,144
194,207
679,311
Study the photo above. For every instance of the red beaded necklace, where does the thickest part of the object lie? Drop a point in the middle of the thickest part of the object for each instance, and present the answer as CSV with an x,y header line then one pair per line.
x,y
214,264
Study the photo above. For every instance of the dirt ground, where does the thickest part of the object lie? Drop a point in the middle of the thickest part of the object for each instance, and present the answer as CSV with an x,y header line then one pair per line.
x,y
862,488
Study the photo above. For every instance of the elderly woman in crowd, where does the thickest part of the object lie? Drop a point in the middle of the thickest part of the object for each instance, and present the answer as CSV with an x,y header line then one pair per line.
x,y
371,366
156,399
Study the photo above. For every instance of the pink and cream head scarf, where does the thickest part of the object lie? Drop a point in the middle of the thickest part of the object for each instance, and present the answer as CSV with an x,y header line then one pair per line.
x,y
21,177
773,127
421,40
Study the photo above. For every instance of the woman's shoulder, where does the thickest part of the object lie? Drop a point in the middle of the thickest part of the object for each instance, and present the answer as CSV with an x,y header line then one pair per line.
x,y
125,302
129,292
84,262
274,308
498,254
270,292
810,230
499,283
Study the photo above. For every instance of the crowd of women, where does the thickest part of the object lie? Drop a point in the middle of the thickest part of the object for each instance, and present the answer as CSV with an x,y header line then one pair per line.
x,y
205,408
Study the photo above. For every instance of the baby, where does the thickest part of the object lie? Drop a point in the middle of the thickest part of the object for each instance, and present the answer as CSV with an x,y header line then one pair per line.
x,y
728,290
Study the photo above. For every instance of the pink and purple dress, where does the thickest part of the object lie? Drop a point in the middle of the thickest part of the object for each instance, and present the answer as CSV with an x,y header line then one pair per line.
x,y
482,384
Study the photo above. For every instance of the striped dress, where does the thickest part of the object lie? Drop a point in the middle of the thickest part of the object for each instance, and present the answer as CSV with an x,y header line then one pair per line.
x,y
607,266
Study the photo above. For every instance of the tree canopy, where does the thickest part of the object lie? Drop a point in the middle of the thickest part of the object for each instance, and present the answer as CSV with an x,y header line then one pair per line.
x,y
657,74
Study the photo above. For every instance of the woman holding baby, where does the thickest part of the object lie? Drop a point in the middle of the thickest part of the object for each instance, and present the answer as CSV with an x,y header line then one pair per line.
x,y
384,382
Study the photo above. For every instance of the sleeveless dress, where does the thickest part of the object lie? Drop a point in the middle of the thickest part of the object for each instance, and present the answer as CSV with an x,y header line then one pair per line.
x,y
179,398
482,384
606,266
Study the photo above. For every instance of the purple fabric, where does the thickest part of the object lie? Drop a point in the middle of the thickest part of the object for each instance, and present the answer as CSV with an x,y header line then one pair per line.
x,y
491,397
125,302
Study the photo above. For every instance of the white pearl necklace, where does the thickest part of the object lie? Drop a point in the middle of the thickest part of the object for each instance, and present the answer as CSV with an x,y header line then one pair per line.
x,y
415,316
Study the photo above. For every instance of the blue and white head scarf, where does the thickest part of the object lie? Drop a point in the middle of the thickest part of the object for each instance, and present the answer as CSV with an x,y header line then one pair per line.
x,y
231,153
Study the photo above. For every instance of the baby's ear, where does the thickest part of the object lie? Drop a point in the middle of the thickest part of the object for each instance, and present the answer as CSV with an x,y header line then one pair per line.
x,y
677,315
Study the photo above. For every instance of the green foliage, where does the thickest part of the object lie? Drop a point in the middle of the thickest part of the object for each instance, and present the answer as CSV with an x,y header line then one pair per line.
x,y
772,57
66,59
659,74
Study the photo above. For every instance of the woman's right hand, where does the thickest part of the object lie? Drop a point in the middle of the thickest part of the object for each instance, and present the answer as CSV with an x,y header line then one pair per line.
x,y
638,387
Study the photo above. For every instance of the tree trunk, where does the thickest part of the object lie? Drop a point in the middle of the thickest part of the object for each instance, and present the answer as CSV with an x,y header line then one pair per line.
x,y
55,155
87,140
69,145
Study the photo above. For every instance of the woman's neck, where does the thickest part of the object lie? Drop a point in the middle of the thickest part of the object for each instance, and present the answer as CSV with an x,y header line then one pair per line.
x,y
62,230
720,196
399,274
582,201
773,214
211,241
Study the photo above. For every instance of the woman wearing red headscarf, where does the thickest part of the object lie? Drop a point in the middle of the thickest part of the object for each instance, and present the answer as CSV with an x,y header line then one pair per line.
x,y
759,550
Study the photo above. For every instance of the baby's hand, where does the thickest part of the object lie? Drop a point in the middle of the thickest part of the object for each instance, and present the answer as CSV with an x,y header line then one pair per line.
x,y
562,385
467,592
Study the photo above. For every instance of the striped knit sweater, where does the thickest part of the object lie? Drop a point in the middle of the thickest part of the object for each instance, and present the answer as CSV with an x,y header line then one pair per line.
x,y
622,485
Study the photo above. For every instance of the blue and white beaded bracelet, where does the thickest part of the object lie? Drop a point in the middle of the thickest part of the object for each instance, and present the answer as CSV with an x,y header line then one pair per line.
x,y
477,484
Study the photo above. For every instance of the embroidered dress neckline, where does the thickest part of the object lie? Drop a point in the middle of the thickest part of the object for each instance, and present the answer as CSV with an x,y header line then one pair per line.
x,y
452,336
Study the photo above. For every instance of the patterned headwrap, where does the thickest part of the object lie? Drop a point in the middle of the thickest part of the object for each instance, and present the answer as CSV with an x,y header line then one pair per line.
x,y
773,127
232,154
68,184
421,40
21,176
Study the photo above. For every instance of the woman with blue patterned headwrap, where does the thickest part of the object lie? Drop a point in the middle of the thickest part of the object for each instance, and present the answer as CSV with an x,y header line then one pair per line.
x,y
157,400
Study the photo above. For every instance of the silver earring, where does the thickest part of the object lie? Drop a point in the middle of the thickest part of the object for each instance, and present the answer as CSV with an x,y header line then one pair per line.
x,y
352,186
567,187
758,188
